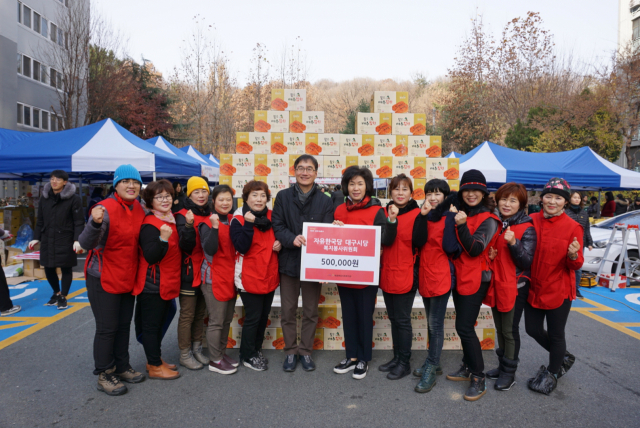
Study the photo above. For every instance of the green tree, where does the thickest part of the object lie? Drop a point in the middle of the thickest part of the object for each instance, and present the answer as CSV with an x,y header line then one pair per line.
x,y
350,127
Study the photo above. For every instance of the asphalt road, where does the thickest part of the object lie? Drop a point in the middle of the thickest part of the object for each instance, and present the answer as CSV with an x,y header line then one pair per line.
x,y
47,380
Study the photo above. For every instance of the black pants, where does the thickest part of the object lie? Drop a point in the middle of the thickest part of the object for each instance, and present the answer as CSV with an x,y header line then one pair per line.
x,y
358,305
153,311
467,310
52,277
399,310
5,300
552,339
508,325
113,313
257,308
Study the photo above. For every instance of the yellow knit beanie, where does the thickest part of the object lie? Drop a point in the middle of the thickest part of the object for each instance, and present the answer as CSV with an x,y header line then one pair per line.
x,y
196,183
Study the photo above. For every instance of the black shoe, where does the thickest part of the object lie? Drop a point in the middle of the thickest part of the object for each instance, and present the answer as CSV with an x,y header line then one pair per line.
x,y
255,363
493,374
461,375
290,363
401,370
307,363
53,300
544,382
477,388
262,357
567,363
361,370
507,376
345,366
386,367
62,302
579,294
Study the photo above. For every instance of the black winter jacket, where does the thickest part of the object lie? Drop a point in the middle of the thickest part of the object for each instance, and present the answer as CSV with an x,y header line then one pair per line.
x,y
60,222
187,244
523,250
582,218
337,198
287,217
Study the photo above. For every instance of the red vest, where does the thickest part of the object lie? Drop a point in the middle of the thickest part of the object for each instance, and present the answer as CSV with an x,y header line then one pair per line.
x,y
119,264
223,264
195,260
504,283
469,269
552,272
169,266
396,275
363,216
260,264
435,274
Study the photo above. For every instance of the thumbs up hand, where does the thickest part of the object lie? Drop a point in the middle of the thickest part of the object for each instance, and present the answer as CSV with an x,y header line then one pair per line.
x,y
574,247
426,208
509,236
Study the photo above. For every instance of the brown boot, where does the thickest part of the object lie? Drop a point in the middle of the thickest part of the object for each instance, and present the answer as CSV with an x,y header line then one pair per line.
x,y
110,384
170,366
131,376
161,372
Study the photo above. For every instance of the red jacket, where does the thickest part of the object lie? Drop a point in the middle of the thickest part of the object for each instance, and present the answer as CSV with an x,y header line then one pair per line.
x,y
396,275
609,209
553,273
222,265
435,274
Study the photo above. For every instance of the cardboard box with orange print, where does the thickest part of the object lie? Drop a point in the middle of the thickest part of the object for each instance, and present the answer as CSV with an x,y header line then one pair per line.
x,y
419,318
409,124
349,144
292,161
271,165
236,182
334,339
373,123
390,145
425,145
381,316
451,339
312,146
288,99
330,144
294,143
485,318
270,121
275,183
277,144
235,334
334,166
275,317
418,188
380,166
390,102
329,295
382,340
412,167
487,337
318,339
419,339
313,122
329,316
231,164
454,185
237,314
251,143
443,168
271,339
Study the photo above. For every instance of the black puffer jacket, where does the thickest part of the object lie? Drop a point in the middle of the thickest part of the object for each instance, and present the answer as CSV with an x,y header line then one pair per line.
x,y
524,249
60,223
580,216
287,217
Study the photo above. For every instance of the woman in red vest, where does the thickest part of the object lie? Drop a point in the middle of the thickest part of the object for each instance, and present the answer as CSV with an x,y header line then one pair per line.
x,y
192,304
435,235
218,287
158,277
111,236
358,301
553,285
476,228
256,269
512,255
399,276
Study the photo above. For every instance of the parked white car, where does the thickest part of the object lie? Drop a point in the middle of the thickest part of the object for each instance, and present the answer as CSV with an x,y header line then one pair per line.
x,y
601,233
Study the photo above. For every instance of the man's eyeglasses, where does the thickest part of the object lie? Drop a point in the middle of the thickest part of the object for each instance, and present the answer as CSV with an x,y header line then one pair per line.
x,y
161,198
302,169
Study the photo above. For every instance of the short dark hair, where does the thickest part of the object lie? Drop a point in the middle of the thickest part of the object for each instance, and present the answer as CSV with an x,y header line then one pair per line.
x,y
594,199
254,185
619,196
515,189
58,173
397,181
338,187
156,187
435,185
306,157
221,188
358,171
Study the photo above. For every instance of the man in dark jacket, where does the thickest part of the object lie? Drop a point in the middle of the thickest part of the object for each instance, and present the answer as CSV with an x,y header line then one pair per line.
x,y
303,202
337,197
60,222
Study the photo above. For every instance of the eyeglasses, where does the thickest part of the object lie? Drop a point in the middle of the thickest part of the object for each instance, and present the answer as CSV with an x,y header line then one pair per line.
x,y
302,169
129,182
161,198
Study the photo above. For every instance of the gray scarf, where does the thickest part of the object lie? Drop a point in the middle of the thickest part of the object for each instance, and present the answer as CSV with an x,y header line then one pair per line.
x,y
302,197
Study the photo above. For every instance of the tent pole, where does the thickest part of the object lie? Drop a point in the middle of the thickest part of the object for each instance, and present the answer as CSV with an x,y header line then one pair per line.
x,y
80,187
154,176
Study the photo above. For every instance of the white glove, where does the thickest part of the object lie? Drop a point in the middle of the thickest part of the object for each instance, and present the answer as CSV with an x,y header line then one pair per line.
x,y
33,243
77,248
6,236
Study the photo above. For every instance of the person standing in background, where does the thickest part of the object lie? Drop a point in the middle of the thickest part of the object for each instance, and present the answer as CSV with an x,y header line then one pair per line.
x,y
609,208
60,223
6,305
574,210
594,208
622,205
337,197
96,197
178,200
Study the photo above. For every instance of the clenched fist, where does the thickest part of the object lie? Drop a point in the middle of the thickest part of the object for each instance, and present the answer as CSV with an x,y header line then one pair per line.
x,y
492,253
453,209
509,236
300,241
426,208
165,232
249,217
574,247
97,213
189,217
392,210
461,218
215,220
277,246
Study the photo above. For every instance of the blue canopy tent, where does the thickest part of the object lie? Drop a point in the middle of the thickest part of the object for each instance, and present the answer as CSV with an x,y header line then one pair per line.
x,y
582,168
454,155
206,170
191,151
215,160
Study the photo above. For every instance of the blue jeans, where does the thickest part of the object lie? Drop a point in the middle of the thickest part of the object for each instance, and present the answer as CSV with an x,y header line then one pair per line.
x,y
578,278
435,308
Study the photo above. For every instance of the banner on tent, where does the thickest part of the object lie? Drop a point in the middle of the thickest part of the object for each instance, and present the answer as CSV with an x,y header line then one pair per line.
x,y
209,172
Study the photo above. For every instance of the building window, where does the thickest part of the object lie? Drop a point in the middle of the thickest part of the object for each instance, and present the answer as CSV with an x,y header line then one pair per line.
x,y
20,114
19,12
636,29
27,115
26,66
60,38
45,120
19,64
36,22
54,123
36,118
26,16
58,80
36,70
43,74
45,27
54,33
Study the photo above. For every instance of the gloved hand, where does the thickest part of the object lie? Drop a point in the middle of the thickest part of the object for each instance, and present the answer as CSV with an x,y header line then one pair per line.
x,y
6,236
77,248
33,243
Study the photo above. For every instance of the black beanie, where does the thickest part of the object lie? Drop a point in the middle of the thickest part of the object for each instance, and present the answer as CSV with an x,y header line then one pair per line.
x,y
558,186
473,180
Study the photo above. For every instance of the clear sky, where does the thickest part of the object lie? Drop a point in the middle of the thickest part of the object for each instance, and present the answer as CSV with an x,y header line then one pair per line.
x,y
344,39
